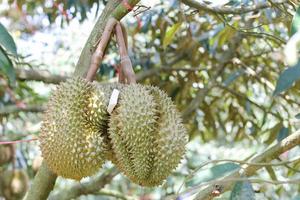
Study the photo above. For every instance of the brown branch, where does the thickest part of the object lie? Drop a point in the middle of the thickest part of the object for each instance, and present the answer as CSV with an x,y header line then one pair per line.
x,y
91,187
248,170
12,109
231,10
38,75
126,65
99,52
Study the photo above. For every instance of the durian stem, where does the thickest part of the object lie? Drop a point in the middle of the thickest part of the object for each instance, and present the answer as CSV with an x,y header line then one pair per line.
x,y
99,53
112,9
126,70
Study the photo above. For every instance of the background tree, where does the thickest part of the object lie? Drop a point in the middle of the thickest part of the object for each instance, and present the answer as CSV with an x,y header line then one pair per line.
x,y
226,65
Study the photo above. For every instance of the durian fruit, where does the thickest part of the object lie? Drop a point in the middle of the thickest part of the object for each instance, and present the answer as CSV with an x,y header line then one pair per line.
x,y
13,184
147,136
98,114
71,134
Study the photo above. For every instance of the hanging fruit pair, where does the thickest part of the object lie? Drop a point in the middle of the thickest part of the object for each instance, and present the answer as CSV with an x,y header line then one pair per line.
x,y
143,136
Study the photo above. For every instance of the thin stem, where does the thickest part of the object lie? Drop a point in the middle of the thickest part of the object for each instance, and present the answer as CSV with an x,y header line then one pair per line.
x,y
99,52
126,65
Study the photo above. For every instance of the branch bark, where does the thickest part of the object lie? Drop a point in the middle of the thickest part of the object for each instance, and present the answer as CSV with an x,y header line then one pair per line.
x,y
44,181
248,170
230,10
91,187
39,75
11,109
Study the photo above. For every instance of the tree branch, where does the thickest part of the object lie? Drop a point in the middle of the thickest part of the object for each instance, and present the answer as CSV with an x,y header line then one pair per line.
x,y
91,187
230,10
11,109
42,185
248,170
156,71
38,75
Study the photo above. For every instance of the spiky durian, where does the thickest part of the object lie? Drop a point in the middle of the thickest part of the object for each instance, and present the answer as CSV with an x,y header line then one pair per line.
x,y
70,138
147,135
98,112
170,139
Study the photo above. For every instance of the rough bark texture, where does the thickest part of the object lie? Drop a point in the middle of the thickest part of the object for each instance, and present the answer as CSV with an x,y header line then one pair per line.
x,y
45,179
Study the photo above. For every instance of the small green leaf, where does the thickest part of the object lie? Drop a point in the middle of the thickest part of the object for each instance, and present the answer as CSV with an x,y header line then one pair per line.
x,y
171,31
242,191
295,26
287,78
7,41
6,67
233,76
283,133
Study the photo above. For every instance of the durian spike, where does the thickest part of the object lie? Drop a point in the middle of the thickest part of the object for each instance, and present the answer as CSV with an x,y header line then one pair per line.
x,y
126,72
101,46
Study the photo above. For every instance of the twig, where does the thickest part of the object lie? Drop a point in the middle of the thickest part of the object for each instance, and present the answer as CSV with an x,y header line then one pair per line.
x,y
240,162
230,10
248,170
194,189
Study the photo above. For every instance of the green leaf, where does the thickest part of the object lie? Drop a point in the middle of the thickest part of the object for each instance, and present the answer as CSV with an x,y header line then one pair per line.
x,y
287,78
297,116
242,191
233,76
212,173
295,26
7,41
6,67
283,133
171,31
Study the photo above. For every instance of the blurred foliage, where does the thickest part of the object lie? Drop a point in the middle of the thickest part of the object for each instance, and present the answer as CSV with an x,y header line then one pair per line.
x,y
226,72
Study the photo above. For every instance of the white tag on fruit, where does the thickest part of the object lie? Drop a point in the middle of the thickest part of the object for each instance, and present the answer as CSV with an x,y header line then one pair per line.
x,y
113,100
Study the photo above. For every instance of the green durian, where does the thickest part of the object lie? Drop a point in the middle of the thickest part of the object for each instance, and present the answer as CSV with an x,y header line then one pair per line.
x,y
148,138
71,138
